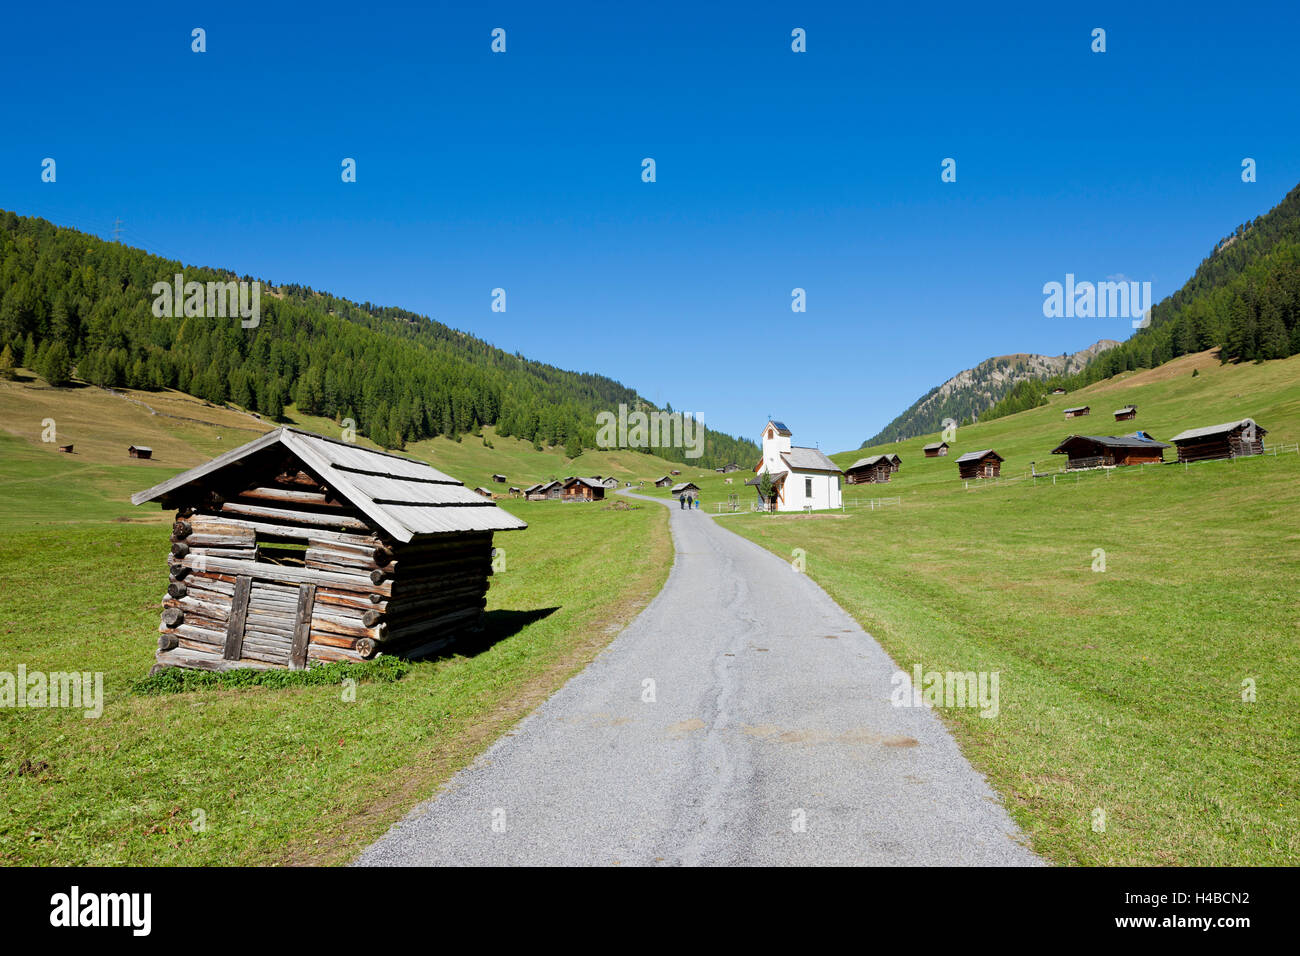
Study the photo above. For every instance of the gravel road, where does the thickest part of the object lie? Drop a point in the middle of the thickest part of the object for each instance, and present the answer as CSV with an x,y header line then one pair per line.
x,y
769,738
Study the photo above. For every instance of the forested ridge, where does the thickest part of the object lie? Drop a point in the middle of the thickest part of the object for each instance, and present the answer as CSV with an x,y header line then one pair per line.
x,y
1243,299
71,303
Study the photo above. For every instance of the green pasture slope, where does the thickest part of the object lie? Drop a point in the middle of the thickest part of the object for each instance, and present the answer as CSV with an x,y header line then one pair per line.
x,y
295,775
1121,691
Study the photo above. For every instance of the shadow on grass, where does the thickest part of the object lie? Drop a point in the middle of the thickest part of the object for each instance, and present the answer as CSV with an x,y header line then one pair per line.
x,y
497,626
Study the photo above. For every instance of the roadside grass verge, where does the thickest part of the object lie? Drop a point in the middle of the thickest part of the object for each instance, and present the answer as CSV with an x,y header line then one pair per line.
x,y
289,775
1121,691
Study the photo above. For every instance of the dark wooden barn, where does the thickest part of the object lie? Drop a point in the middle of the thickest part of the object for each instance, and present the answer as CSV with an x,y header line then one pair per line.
x,y
979,464
686,488
140,451
499,479
1078,412
545,491
936,450
1058,391
1230,440
582,489
895,463
866,471
297,548
664,482
1107,451
1126,414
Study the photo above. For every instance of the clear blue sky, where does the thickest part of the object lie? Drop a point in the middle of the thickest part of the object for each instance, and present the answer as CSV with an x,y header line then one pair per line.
x,y
775,170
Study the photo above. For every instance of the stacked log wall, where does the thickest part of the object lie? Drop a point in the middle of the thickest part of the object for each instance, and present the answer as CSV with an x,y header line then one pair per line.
x,y
349,594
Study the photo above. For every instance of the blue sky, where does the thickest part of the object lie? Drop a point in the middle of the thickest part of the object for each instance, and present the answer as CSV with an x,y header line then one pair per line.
x,y
775,170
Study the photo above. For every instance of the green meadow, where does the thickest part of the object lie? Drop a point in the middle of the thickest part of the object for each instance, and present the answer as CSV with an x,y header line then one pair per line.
x,y
257,775
1143,620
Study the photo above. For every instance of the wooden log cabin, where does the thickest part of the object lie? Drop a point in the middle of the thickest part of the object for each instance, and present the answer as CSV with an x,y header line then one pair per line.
x,y
936,450
1229,440
979,464
664,482
139,451
1078,411
688,488
297,548
895,463
1109,451
1126,414
582,489
866,471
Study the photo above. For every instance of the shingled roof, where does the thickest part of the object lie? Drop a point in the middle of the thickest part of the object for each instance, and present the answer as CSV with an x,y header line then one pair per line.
x,y
1215,430
977,455
864,462
404,497
808,459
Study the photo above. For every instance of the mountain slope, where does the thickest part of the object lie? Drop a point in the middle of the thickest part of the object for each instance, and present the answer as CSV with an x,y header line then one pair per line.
x,y
71,303
967,394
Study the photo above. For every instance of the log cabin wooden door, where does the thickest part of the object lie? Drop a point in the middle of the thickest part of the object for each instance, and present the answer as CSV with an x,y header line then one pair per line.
x,y
270,623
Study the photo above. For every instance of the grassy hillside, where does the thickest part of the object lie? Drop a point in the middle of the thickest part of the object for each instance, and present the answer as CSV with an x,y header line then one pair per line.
x,y
1122,689
292,775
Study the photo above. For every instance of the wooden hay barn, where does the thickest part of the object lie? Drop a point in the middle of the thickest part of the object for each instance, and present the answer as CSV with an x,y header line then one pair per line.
x,y
663,482
1058,391
582,489
1230,440
937,450
544,491
1126,414
1107,451
895,463
729,467
979,464
685,488
1077,412
297,548
866,471
499,479
66,449
140,451
480,490
610,483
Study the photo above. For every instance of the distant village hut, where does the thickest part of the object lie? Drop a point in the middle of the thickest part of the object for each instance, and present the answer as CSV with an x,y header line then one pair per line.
x,y
66,449
865,471
297,548
480,490
1126,414
546,490
139,451
499,479
610,483
936,450
1058,391
980,464
729,467
514,492
1229,440
1078,411
582,489
1108,451
685,488
664,482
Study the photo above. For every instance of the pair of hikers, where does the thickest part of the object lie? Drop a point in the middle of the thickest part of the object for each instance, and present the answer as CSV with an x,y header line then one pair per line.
x,y
688,502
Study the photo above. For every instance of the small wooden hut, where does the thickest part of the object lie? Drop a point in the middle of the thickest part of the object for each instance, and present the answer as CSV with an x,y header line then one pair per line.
x,y
298,548
480,490
139,451
936,450
499,479
1126,414
895,463
1229,440
66,449
685,488
544,491
1108,451
664,482
1078,411
582,489
1058,391
866,471
979,464
610,482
